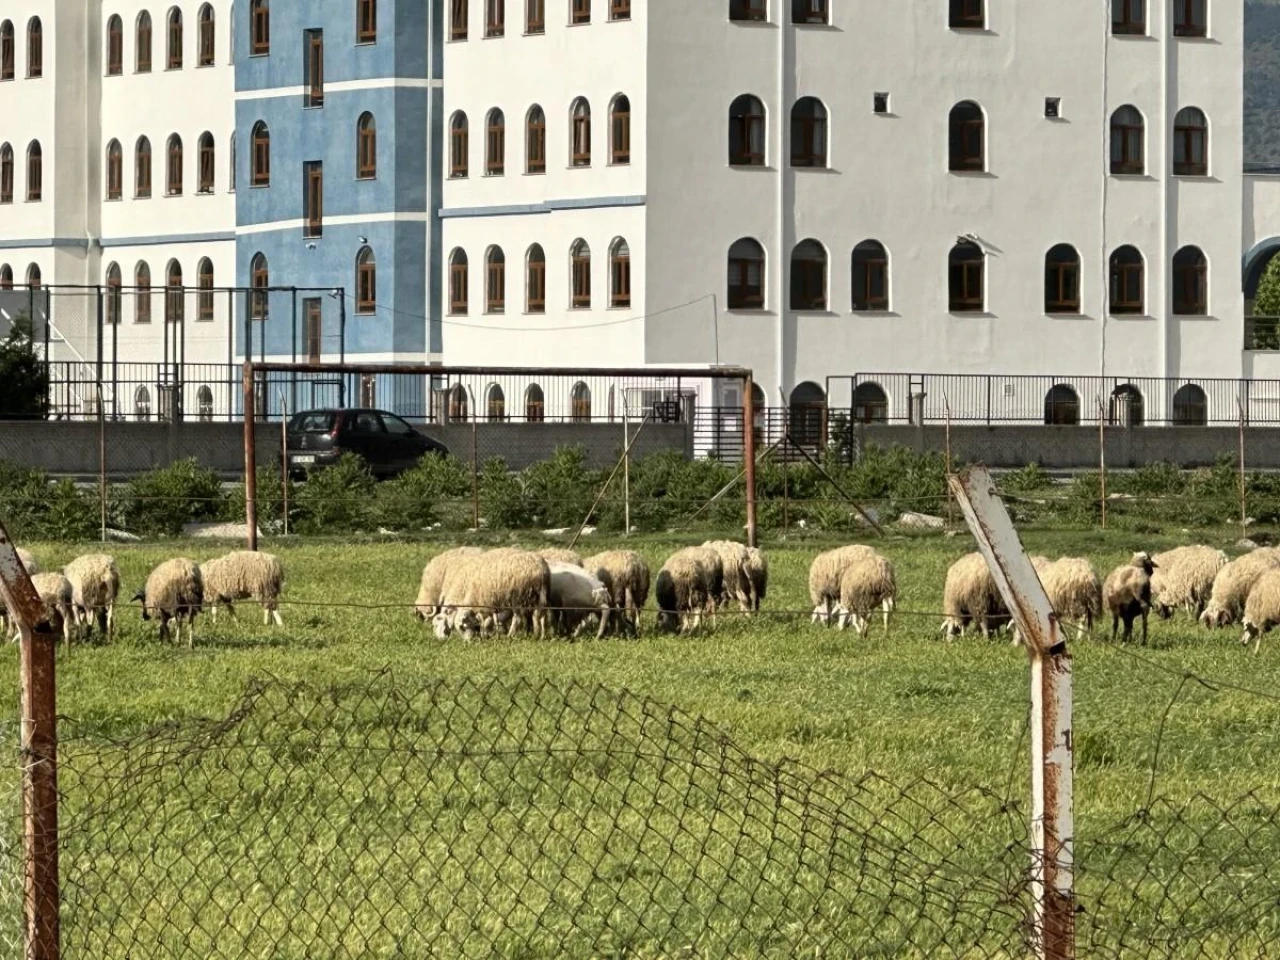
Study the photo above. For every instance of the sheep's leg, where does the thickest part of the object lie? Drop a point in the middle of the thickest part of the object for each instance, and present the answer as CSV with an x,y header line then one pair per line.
x,y
604,620
1115,623
275,613
1257,641
213,613
110,628
887,607
1144,628
266,616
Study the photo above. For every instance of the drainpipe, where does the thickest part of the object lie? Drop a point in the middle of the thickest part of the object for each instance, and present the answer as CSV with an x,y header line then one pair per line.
x,y
1168,64
781,252
1104,269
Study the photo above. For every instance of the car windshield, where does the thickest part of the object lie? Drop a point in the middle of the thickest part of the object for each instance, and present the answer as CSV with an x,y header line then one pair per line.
x,y
316,422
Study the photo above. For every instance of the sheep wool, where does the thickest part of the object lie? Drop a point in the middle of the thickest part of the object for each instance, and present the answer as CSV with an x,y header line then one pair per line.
x,y
494,586
867,583
1232,584
825,574
1074,591
575,596
55,595
95,587
735,584
174,591
625,575
1126,594
1183,579
758,576
681,592
1262,608
970,596
244,575
433,574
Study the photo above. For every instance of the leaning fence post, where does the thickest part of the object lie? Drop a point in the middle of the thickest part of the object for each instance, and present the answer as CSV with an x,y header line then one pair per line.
x,y
1052,815
39,755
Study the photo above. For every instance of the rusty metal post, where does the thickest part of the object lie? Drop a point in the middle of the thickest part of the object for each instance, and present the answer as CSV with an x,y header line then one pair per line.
x,y
626,469
951,500
1052,765
102,464
250,461
1102,462
749,455
475,473
39,755
284,459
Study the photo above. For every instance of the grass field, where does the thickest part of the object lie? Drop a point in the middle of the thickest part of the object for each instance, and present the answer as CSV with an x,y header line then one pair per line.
x,y
348,801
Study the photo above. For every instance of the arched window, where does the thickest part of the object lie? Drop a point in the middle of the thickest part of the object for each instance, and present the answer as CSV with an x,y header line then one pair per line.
x,y
142,293
746,275
968,135
6,50
580,133
366,21
810,11
1128,133
175,39
1127,282
965,269
535,285
870,276
115,46
142,404
458,282
459,143
457,411
619,274
1062,280
1189,19
580,403
204,296
620,130
33,276
35,171
6,277
35,48
366,147
495,280
496,402
757,10
205,162
260,174
259,28
808,133
142,168
6,173
1062,406
535,141
1129,17
870,404
1126,407
458,13
111,306
1190,407
173,169
809,276
1190,143
580,275
115,170
142,43
204,404
495,144
208,37
174,295
495,18
366,281
746,132
260,280
1190,282
808,415
535,408
231,164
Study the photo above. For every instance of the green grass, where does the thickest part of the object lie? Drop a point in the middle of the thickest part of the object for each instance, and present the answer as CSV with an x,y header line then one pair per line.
x,y
504,799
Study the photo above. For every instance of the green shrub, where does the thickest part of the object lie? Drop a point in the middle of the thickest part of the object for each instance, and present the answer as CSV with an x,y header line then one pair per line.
x,y
412,500
271,494
1030,478
502,500
70,513
161,502
338,499
560,490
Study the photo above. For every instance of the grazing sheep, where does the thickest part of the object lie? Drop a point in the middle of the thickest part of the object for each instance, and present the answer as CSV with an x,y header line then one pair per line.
x,y
1262,608
95,586
428,603
1232,584
867,583
501,586
244,575
1184,579
561,555
825,574
1127,594
757,569
625,575
735,584
712,567
576,595
173,591
681,592
54,591
1074,592
970,596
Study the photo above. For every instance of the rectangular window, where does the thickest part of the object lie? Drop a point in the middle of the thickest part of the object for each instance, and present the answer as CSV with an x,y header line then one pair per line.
x,y
880,103
144,46
495,18
620,280
260,28
746,283
142,175
581,139
206,168
312,328
457,19
1126,288
204,298
580,12
6,179
967,15
966,286
35,53
367,21
112,304
1129,17
458,146
535,16
495,148
581,281
173,181
537,299
115,53
207,43
757,10
537,147
313,198
1062,288
495,289
175,43
809,11
115,178
457,288
174,304
1189,18
621,123
619,9
314,79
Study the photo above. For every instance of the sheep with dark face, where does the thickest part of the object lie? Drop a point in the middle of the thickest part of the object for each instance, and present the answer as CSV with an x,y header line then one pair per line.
x,y
681,591
1126,593
174,591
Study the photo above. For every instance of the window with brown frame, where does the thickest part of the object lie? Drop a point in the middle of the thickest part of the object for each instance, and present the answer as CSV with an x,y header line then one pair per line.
x,y
536,141
495,281
746,275
967,15
870,276
173,174
35,48
535,408
313,198
142,44
204,295
260,281
580,403
808,133
1127,281
259,28
810,11
459,145
495,18
366,21
111,304
458,283
1062,280
620,131
174,298
205,163
313,328
6,173
966,267
6,277
809,276
260,175
142,293
1190,143
1129,17
580,133
33,276
6,50
620,274
495,140
458,16
1190,283
1190,406
535,16
579,11
115,46
366,147
115,171
35,172
1128,131
315,69
749,10
580,275
1189,18
366,281
619,9
497,403
175,39
142,168
967,133
535,281
746,132
207,37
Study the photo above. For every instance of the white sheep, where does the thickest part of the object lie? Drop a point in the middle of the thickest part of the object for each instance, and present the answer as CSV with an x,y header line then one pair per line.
x,y
970,596
1183,579
1074,591
1262,608
244,575
560,555
625,575
503,585
428,603
95,587
54,591
735,584
174,591
866,584
757,569
825,574
1232,584
1126,594
681,591
575,595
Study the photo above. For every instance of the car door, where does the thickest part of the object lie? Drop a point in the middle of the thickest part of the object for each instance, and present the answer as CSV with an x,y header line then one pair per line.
x,y
365,435
405,444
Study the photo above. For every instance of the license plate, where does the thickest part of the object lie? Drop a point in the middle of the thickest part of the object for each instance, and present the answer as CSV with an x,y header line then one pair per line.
x,y
303,458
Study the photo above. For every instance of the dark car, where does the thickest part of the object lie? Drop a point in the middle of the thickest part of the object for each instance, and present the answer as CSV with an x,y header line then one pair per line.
x,y
388,444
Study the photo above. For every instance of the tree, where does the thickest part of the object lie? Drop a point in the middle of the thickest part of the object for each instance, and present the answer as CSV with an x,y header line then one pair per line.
x,y
24,379
1266,302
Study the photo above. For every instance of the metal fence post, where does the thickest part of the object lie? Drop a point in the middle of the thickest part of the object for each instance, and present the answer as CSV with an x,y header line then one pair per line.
x,y
749,454
39,755
250,460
